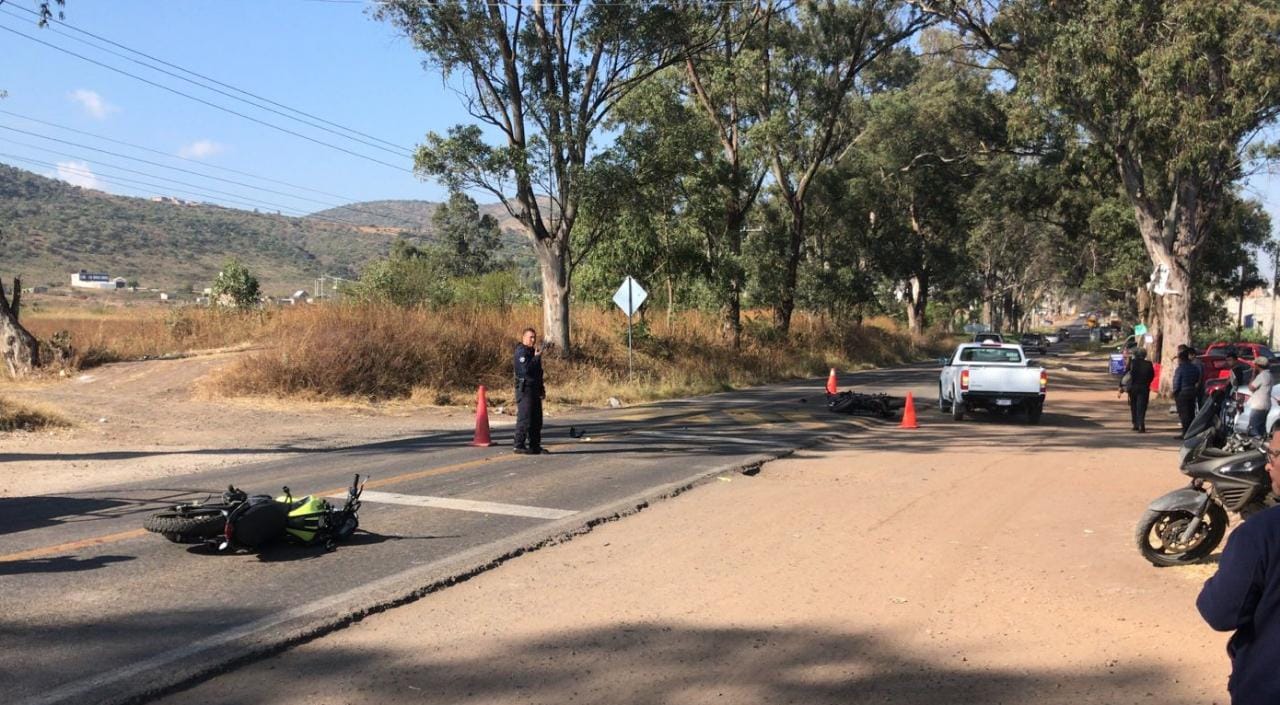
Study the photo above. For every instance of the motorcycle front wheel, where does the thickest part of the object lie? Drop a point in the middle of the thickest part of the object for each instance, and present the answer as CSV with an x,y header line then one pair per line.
x,y
1159,535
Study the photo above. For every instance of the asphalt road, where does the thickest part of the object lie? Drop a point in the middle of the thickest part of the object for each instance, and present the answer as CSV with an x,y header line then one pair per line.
x,y
98,610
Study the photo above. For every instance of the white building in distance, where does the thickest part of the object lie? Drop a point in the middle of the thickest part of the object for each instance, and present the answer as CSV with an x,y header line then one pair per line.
x,y
83,279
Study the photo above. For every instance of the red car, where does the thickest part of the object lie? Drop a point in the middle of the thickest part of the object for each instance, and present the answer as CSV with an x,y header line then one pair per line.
x,y
1214,361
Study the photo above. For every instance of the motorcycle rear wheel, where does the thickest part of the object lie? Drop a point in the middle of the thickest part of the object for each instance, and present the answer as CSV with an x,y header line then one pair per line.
x,y
189,524
1158,531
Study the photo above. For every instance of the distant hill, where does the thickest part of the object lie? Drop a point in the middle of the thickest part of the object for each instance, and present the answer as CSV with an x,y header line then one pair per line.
x,y
49,228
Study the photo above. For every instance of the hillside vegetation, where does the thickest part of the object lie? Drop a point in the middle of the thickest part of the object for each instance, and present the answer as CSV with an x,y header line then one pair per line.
x,y
49,228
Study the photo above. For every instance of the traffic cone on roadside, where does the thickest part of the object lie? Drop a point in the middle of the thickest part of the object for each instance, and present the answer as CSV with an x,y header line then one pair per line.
x,y
909,413
482,420
831,382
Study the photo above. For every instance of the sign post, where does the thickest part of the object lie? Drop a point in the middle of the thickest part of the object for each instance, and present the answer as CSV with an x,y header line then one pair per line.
x,y
629,297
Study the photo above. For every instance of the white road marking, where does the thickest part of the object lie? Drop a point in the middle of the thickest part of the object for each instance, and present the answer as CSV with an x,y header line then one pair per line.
x,y
463,505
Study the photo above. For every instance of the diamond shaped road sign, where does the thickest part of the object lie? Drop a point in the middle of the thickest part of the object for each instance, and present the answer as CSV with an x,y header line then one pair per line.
x,y
629,296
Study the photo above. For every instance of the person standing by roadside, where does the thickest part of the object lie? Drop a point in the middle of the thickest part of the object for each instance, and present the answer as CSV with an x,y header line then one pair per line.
x,y
1186,383
1138,377
1260,397
529,393
1244,597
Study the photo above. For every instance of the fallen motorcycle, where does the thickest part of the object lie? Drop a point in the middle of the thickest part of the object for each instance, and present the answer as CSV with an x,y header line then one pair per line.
x,y
248,521
851,402
1186,525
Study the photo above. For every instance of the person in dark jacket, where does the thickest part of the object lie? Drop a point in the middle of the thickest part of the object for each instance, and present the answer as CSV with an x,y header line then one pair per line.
x,y
1186,383
1140,374
1244,597
529,393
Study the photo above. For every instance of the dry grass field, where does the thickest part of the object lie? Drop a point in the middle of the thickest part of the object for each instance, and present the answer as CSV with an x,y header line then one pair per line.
x,y
438,356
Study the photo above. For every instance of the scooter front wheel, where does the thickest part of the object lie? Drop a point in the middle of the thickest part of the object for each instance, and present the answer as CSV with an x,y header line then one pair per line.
x,y
1159,535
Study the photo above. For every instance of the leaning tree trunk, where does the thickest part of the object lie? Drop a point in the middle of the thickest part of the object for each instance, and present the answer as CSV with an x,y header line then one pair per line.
x,y
782,312
917,301
20,349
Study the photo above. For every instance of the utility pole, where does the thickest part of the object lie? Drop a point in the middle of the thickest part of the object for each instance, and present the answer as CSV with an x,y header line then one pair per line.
x,y
1275,282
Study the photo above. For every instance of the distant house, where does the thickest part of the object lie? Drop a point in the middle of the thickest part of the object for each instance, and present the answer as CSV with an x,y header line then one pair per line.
x,y
84,279
164,296
36,290
299,297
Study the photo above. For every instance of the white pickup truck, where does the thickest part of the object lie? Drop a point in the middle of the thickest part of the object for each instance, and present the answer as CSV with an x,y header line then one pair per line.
x,y
991,376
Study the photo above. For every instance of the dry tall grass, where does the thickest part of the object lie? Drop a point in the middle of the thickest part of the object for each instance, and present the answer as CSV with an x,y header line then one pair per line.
x,y
382,352
23,417
100,335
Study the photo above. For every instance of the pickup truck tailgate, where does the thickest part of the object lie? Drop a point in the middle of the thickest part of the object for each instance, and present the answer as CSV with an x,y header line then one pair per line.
x,y
1009,379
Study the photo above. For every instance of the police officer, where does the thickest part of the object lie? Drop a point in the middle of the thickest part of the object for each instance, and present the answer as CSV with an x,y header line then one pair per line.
x,y
1140,374
529,394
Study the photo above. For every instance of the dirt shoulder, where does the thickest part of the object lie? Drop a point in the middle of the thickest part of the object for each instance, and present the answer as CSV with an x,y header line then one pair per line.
x,y
149,419
968,563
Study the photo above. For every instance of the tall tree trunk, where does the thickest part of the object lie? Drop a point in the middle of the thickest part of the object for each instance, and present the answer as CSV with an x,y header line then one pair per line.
x,y
786,306
20,349
917,301
553,257
1175,320
733,224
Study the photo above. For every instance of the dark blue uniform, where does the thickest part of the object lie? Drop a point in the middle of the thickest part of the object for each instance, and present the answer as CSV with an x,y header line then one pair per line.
x,y
1244,596
1186,381
529,394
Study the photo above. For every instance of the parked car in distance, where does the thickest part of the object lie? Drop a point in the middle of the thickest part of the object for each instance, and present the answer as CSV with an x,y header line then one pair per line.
x,y
1064,333
1214,361
988,338
1053,338
991,376
1034,341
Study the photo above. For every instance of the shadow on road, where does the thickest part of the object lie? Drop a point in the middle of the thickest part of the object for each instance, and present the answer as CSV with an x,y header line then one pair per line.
x,y
59,564
651,663
25,513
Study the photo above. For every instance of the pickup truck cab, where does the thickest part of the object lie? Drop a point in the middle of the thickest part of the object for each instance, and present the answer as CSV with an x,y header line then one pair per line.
x,y
991,376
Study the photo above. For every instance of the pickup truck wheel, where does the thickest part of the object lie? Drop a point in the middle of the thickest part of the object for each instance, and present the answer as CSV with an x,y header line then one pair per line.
x,y
943,406
1034,410
957,410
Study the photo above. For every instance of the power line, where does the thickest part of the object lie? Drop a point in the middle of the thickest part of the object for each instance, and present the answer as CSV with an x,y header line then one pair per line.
x,y
347,202
108,152
396,149
203,101
151,175
162,153
130,182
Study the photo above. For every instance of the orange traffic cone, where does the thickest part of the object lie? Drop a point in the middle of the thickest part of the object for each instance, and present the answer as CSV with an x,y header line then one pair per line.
x,y
482,420
909,413
831,382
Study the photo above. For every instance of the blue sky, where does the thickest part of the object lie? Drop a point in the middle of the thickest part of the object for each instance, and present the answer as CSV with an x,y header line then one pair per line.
x,y
326,58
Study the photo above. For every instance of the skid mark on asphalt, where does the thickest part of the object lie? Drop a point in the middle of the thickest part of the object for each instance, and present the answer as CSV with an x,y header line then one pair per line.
x,y
462,505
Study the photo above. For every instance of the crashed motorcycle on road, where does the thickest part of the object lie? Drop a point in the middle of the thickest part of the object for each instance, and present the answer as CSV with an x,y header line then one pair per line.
x,y
244,521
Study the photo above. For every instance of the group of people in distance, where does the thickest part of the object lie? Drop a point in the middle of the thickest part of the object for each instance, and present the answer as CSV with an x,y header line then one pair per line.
x,y
1188,387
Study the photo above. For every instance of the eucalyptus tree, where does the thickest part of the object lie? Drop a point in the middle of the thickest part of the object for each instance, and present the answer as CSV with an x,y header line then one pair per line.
x,y
924,148
815,59
467,239
638,205
726,81
543,77
1175,91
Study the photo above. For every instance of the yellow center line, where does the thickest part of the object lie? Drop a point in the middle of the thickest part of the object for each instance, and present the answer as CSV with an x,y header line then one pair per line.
x,y
136,533
384,482
72,545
